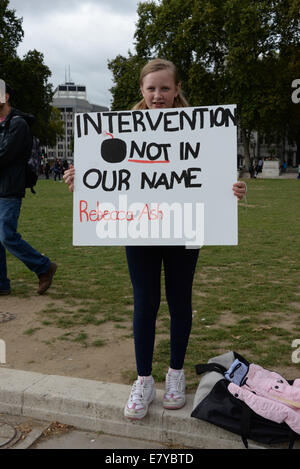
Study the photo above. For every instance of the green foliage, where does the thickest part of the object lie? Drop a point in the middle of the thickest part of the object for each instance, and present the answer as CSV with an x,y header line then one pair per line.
x,y
126,77
28,77
226,51
55,126
11,32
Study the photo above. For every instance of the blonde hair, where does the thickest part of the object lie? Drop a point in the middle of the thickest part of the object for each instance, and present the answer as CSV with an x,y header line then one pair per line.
x,y
156,65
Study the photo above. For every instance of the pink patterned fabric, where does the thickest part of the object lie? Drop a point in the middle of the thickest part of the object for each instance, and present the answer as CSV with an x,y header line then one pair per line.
x,y
269,383
266,393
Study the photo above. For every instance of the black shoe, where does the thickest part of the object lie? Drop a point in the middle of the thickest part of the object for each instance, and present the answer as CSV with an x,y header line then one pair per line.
x,y
4,292
46,279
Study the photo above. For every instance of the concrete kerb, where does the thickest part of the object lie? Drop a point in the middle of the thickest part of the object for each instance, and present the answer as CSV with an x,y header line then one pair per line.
x,y
98,406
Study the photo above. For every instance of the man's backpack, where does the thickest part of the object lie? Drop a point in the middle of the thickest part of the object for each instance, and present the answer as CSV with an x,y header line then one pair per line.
x,y
33,165
34,159
215,404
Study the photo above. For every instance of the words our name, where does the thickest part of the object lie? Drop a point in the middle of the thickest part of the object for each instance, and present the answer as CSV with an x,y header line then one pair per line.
x,y
120,179
144,121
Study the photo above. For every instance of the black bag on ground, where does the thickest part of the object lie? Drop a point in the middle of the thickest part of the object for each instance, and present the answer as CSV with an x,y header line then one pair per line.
x,y
33,162
215,404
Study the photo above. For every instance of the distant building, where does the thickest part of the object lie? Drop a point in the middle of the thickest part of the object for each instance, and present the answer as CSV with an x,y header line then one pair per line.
x,y
69,99
268,148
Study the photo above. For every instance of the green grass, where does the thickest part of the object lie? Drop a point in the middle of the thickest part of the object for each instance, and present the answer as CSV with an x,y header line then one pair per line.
x,y
245,298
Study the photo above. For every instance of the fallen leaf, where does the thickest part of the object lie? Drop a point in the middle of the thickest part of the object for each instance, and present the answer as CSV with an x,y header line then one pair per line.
x,y
262,328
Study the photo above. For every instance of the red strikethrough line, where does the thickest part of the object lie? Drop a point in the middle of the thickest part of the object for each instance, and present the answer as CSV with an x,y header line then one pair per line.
x,y
140,161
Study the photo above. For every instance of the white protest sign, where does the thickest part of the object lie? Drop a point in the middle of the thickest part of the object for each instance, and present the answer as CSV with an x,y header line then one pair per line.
x,y
156,177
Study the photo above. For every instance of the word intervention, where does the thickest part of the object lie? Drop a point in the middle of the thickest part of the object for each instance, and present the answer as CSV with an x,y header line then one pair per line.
x,y
144,121
151,458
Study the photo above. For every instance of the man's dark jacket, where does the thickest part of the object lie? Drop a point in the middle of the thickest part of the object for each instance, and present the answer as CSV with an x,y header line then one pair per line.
x,y
15,149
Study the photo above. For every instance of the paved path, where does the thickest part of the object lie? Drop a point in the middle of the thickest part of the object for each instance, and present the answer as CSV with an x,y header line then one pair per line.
x,y
95,410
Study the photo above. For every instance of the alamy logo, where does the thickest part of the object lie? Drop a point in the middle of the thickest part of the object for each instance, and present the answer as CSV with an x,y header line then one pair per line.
x,y
296,353
2,91
148,221
2,352
296,93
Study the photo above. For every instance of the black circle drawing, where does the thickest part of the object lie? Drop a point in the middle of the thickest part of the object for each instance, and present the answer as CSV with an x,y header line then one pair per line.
x,y
113,150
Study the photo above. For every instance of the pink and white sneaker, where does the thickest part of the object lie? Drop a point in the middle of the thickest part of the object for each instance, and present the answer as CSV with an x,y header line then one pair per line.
x,y
142,394
174,397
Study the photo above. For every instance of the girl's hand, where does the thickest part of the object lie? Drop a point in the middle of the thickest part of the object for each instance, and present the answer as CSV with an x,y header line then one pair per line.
x,y
239,189
69,177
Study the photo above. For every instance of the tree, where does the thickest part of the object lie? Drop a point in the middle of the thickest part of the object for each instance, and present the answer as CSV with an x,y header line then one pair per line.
x,y
38,93
28,76
226,51
55,127
126,73
11,32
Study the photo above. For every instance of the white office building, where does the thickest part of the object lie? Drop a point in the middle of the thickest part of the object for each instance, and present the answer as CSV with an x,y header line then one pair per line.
x,y
70,99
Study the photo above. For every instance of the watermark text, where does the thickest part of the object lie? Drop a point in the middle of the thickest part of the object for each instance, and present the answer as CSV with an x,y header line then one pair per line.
x,y
2,91
296,93
296,353
2,352
147,221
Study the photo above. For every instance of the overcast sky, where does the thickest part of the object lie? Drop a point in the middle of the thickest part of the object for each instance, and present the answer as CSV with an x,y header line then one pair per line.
x,y
82,34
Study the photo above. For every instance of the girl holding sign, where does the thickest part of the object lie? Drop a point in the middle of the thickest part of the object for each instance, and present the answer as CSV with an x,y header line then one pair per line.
x,y
160,88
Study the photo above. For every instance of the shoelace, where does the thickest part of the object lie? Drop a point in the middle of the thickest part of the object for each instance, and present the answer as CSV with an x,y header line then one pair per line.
x,y
137,392
173,384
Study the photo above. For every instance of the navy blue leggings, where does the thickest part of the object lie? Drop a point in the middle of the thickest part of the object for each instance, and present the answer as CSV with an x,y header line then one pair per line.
x,y
145,263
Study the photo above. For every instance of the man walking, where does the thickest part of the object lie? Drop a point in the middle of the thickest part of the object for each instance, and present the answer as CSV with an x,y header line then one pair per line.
x,y
15,148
